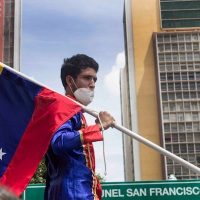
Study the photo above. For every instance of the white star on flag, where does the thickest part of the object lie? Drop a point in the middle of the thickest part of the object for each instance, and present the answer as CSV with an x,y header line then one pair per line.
x,y
1,154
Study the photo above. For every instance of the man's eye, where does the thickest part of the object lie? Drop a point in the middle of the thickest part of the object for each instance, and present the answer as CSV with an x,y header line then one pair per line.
x,y
90,78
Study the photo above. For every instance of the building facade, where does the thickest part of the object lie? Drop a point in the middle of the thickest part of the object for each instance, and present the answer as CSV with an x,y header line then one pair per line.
x,y
162,42
10,32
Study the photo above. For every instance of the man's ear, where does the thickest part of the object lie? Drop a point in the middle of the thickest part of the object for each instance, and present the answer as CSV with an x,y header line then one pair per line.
x,y
69,80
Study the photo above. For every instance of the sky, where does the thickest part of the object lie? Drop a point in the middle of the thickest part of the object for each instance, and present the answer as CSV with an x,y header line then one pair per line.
x,y
54,30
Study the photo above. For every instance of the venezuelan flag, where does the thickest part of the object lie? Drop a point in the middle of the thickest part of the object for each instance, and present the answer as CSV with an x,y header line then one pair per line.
x,y
29,115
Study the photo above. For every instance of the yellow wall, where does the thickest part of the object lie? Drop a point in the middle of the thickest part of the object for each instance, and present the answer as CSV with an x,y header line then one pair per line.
x,y
146,21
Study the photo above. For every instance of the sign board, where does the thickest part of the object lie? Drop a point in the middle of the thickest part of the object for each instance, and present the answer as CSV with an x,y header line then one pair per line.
x,y
140,190
165,190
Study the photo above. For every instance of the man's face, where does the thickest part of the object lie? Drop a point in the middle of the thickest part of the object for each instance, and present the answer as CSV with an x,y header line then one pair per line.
x,y
86,79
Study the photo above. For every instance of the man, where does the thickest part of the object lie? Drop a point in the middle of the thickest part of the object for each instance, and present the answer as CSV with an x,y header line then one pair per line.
x,y
70,159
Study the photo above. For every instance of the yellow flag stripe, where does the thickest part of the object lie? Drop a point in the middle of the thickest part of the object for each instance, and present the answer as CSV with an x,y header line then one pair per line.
x,y
1,67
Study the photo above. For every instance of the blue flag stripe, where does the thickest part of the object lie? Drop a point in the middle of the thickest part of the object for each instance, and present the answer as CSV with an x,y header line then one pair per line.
x,y
16,107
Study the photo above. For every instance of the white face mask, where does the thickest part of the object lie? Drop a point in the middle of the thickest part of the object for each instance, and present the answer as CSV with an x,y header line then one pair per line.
x,y
84,95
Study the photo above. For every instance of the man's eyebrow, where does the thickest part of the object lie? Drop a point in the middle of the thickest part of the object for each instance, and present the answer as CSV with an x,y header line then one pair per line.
x,y
90,77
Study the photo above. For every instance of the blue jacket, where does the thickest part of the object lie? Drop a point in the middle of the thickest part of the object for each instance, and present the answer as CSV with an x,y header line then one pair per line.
x,y
70,162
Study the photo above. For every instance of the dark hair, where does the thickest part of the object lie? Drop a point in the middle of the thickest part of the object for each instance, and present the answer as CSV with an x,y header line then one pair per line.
x,y
74,65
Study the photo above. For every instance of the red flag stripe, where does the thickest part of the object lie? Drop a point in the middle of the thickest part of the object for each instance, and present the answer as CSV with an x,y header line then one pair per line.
x,y
51,111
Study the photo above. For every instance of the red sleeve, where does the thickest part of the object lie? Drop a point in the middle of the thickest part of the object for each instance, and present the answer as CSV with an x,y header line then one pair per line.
x,y
91,134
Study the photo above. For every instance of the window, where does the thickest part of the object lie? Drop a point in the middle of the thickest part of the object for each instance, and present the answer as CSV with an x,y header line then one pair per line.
x,y
174,137
180,14
191,75
167,46
197,75
189,46
180,117
188,126
172,106
166,38
165,107
160,38
186,95
183,66
171,96
175,57
195,46
196,56
197,147
177,76
161,58
183,148
173,118
168,138
193,95
179,95
169,148
185,86
177,86
160,48
179,106
184,76
167,128
168,57
177,67
185,171
198,85
170,86
175,47
195,116
162,67
190,67
182,137
186,105
169,161
188,117
194,106
197,137
182,56
163,76
174,128
181,127
177,169
169,67
192,86
169,76
166,117
197,66
196,126
164,97
163,86
191,158
190,148
189,57
190,137
175,148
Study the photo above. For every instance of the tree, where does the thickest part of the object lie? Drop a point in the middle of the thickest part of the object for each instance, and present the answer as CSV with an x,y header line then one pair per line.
x,y
40,175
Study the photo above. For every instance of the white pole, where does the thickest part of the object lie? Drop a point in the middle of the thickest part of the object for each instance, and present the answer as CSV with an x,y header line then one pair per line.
x,y
121,128
159,149
151,144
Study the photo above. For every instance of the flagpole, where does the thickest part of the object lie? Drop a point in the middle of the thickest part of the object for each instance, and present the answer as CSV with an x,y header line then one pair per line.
x,y
150,144
118,127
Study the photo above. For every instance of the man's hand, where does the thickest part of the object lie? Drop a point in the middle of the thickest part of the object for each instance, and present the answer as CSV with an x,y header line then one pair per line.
x,y
107,120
